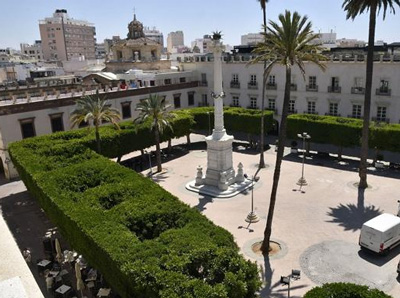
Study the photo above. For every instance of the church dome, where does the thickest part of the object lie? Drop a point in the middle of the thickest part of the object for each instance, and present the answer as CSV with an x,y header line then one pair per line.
x,y
135,29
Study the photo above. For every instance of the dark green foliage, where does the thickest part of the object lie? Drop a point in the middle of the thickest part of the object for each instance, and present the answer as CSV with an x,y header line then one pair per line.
x,y
144,240
344,290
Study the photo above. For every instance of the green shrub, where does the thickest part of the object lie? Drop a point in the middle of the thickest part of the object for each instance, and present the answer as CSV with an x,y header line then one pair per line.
x,y
344,290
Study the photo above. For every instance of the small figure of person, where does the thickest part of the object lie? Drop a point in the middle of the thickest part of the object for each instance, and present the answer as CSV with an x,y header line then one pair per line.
x,y
27,255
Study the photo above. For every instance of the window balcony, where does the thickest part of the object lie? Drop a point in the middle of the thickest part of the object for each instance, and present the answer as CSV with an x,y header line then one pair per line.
x,y
381,119
312,88
292,111
354,116
235,84
271,86
357,90
252,107
383,91
203,104
334,89
235,105
310,112
203,83
252,85
293,87
333,114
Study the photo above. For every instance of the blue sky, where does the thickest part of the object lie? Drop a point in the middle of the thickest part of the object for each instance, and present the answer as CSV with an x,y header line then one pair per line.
x,y
19,19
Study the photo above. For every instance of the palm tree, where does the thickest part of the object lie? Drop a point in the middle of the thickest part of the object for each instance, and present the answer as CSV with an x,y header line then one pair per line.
x,y
353,9
287,44
155,108
263,4
94,109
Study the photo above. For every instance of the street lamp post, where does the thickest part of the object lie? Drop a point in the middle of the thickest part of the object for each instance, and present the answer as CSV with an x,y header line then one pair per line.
x,y
302,181
252,216
209,123
151,169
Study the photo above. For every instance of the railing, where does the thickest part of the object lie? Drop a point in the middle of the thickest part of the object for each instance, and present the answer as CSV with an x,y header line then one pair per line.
x,y
333,114
292,111
235,84
381,119
252,85
270,86
357,90
203,83
312,88
235,105
273,110
252,107
310,112
203,104
354,116
383,91
334,89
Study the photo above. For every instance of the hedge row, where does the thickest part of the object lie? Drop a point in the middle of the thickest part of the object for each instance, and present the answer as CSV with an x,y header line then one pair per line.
x,y
344,290
344,132
145,241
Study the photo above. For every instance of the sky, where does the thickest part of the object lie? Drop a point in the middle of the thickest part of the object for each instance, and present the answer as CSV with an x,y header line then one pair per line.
x,y
19,21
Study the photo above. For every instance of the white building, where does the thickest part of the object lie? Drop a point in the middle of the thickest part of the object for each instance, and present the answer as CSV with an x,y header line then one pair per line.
x,y
202,44
175,39
33,51
251,39
154,34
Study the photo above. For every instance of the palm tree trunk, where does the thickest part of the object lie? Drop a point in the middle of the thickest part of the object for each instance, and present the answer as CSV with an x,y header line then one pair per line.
x,y
158,151
279,157
367,100
96,126
262,141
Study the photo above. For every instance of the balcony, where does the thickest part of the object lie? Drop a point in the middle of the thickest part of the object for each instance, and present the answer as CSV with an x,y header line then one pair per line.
x,y
357,90
203,104
252,107
232,105
293,87
203,83
235,84
381,119
354,116
334,89
310,112
292,111
252,85
383,91
333,114
271,86
312,88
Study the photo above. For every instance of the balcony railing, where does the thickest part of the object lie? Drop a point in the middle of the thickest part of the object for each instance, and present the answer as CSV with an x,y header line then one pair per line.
x,y
252,107
203,104
310,112
381,119
203,83
354,116
292,111
333,114
235,84
235,105
252,85
383,91
271,86
357,90
293,87
273,110
334,89
312,88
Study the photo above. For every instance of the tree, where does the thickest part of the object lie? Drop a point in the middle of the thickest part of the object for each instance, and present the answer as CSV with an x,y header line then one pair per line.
x,y
95,110
263,4
287,44
156,109
353,9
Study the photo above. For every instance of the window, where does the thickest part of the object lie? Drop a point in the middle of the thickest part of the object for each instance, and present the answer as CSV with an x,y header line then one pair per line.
x,y
204,100
271,104
292,105
235,100
381,114
253,80
204,78
356,111
177,100
311,107
126,110
333,109
56,121
312,82
152,83
359,82
27,127
335,82
235,78
190,98
271,80
384,86
167,82
253,102
182,80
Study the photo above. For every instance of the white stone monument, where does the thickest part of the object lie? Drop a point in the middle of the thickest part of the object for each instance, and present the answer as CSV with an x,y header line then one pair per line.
x,y
220,179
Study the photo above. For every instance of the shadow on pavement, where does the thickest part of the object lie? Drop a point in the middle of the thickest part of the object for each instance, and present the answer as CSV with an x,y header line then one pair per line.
x,y
352,217
203,201
379,260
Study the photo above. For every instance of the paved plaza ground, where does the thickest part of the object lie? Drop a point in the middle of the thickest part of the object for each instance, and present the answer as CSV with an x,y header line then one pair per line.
x,y
317,226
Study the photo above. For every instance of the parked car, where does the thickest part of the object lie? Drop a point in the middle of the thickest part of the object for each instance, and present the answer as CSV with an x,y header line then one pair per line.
x,y
380,234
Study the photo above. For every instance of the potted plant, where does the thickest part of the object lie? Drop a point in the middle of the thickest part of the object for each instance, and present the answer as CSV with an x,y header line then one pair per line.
x,y
216,35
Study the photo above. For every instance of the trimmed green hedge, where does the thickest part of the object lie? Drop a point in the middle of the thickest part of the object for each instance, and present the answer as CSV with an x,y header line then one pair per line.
x,y
145,241
344,290
344,132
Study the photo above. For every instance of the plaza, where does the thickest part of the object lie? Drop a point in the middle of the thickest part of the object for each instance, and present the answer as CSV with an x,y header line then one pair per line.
x,y
317,226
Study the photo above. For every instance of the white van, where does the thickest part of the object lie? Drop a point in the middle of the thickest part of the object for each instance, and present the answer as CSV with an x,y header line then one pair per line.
x,y
381,234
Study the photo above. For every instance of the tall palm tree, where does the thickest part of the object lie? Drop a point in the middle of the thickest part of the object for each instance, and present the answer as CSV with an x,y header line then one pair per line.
x,y
287,44
263,4
94,109
353,9
156,109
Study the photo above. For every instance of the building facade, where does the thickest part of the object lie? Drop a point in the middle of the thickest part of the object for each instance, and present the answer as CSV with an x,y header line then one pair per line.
x,y
64,38
154,34
251,39
33,51
174,39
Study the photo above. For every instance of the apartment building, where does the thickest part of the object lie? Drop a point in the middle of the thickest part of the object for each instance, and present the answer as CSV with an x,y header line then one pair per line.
x,y
33,51
174,39
64,38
